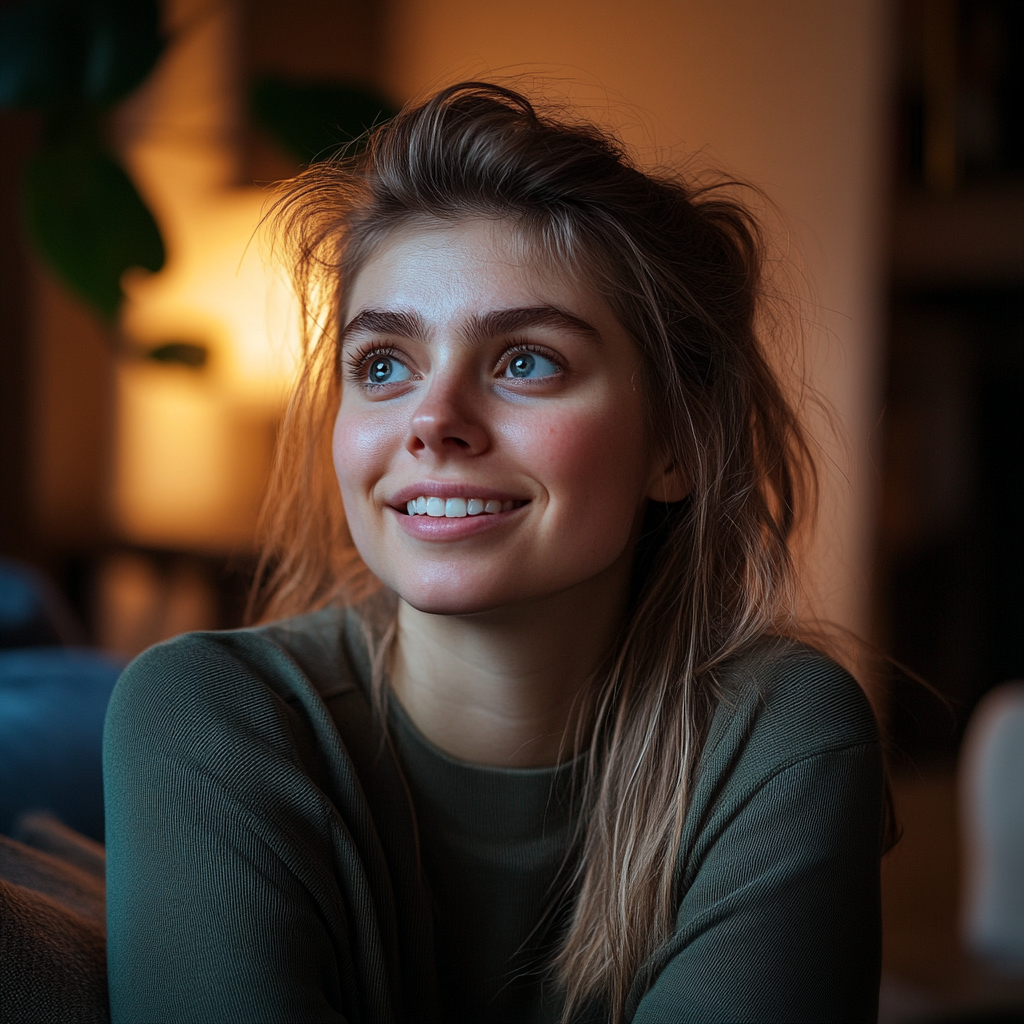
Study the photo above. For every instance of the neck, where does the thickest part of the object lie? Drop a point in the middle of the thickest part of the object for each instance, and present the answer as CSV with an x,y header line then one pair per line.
x,y
498,687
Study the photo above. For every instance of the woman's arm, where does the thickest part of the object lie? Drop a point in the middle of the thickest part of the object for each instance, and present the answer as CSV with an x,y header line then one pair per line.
x,y
219,882
782,919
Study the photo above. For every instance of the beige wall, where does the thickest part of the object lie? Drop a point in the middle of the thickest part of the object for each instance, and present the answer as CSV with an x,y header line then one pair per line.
x,y
790,94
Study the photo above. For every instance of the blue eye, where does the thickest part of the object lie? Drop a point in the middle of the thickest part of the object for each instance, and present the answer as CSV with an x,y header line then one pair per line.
x,y
530,366
387,370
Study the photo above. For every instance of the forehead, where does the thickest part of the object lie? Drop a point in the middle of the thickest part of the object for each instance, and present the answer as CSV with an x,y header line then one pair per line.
x,y
450,271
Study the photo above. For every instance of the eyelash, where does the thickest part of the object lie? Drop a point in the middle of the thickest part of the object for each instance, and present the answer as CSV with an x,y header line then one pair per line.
x,y
356,362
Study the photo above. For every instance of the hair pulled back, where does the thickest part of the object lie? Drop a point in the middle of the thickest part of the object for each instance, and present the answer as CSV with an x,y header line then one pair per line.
x,y
681,266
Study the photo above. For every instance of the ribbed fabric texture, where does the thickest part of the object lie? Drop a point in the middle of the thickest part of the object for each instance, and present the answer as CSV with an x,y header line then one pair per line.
x,y
492,843
262,849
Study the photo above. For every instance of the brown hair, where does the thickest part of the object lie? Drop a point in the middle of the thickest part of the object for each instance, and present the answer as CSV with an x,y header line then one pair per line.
x,y
682,265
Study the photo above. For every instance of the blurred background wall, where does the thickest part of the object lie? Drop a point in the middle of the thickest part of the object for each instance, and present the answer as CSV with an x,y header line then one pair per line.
x,y
889,134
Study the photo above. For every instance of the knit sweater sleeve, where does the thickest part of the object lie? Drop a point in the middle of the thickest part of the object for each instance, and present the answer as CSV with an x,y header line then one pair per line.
x,y
779,917
221,901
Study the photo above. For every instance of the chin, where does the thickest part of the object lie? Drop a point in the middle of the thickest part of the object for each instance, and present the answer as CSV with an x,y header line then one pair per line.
x,y
443,601
451,590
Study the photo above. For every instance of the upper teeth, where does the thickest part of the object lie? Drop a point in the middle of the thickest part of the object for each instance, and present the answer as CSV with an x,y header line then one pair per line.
x,y
455,508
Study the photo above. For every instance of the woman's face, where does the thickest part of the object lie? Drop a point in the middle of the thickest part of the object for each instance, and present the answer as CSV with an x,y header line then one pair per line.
x,y
489,443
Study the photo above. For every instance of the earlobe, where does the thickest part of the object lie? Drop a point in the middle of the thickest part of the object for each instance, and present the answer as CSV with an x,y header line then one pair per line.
x,y
671,483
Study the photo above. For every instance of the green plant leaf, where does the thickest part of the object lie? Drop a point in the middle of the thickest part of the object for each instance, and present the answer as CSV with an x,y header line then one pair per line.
x,y
88,222
74,53
312,120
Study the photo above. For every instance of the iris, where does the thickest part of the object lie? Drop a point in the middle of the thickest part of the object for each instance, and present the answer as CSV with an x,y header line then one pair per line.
x,y
529,364
385,370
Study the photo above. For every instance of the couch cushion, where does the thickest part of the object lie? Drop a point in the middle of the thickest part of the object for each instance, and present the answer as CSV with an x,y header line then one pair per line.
x,y
52,928
52,704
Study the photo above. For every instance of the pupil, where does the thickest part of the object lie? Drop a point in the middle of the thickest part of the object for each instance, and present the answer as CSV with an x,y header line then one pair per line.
x,y
523,365
380,371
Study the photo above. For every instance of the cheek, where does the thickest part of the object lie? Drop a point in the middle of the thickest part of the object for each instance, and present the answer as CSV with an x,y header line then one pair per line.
x,y
592,461
362,446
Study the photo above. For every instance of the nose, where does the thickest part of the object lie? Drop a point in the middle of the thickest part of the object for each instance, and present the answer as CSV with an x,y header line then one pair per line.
x,y
448,421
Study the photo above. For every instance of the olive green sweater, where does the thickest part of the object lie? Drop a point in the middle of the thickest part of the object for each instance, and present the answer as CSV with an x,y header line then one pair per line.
x,y
274,857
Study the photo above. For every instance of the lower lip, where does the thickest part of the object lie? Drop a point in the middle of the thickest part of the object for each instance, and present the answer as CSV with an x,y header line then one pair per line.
x,y
443,528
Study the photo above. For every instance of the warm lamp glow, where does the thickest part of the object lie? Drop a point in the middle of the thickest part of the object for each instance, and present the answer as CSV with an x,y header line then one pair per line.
x,y
218,290
191,466
194,444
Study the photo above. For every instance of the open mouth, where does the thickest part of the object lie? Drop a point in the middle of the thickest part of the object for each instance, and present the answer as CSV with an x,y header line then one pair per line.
x,y
458,508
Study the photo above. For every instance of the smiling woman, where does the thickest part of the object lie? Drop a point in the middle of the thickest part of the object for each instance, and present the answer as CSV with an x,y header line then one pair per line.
x,y
532,733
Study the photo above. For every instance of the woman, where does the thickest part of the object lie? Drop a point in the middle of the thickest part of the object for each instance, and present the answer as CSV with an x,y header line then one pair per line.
x,y
570,760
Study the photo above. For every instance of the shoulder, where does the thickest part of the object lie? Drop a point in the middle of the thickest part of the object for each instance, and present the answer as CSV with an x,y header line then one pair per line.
x,y
202,684
792,755
803,694
783,702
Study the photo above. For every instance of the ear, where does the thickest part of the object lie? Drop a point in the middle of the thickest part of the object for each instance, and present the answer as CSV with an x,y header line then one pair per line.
x,y
669,482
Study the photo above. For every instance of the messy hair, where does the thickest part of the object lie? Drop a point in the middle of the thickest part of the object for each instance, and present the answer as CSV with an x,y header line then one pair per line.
x,y
682,266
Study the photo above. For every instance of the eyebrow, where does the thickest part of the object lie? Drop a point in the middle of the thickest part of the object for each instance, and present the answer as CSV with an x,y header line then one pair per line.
x,y
385,321
509,321
485,325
